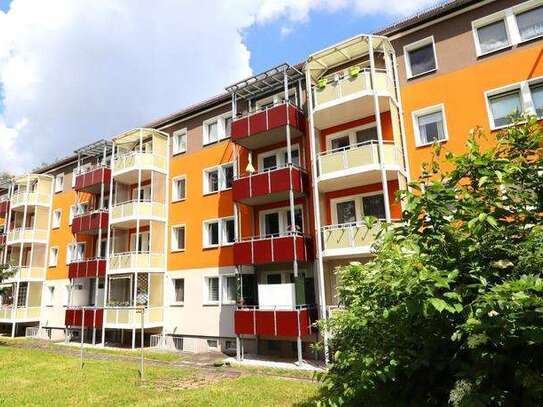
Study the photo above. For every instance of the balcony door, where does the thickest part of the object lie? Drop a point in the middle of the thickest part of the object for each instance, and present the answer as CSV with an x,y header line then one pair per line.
x,y
143,242
354,208
277,222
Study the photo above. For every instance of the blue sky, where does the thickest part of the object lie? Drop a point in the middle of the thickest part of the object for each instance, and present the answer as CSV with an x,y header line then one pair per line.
x,y
4,4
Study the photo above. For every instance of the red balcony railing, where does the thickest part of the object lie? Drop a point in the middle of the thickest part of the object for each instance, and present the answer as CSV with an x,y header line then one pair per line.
x,y
90,222
4,207
270,185
286,323
92,179
94,318
264,127
273,249
87,268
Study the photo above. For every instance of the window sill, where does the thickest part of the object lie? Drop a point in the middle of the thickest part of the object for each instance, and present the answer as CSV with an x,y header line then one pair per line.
x,y
229,303
177,250
211,304
487,53
432,143
178,153
177,304
179,200
215,246
422,74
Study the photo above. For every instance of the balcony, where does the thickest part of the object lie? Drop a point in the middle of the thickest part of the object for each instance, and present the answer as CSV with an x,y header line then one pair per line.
x,y
134,161
89,268
270,185
30,198
281,323
19,314
266,127
90,222
357,165
121,317
345,96
349,239
91,180
4,207
27,235
125,262
25,273
273,249
93,317
128,212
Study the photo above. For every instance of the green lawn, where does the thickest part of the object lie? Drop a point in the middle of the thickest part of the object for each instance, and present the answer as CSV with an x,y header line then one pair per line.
x,y
35,377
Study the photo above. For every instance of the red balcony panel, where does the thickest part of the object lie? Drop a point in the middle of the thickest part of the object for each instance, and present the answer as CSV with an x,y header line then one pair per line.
x,y
258,129
4,207
94,318
279,323
92,180
270,186
90,222
2,239
87,268
273,250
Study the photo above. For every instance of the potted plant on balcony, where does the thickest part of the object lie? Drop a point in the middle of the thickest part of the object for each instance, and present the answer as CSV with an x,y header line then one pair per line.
x,y
354,71
321,83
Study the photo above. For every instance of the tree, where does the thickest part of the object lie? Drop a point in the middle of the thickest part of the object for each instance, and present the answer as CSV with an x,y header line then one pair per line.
x,y
450,309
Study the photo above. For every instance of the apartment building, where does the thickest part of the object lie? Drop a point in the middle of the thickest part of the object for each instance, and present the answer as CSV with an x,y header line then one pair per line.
x,y
226,220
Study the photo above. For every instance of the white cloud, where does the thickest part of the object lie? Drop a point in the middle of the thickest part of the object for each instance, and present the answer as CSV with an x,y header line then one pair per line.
x,y
73,72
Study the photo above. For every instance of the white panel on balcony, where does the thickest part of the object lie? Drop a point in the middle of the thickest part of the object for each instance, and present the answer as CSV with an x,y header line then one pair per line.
x,y
276,296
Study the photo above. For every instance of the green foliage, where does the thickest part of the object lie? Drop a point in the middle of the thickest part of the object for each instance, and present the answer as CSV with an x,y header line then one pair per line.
x,y
450,309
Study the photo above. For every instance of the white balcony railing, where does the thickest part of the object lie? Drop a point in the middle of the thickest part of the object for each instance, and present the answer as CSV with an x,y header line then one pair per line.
x,y
344,84
125,316
27,235
357,235
135,160
25,273
20,313
30,198
138,209
136,260
359,155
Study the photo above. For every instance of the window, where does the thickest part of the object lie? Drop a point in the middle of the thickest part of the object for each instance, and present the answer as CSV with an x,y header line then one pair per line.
x,y
50,296
420,57
179,290
53,256
218,178
492,37
277,222
179,188
430,125
59,183
72,214
353,137
530,23
75,210
346,212
143,194
507,27
212,344
220,232
76,252
57,214
179,141
278,158
211,290
229,289
340,142
218,128
374,205
366,135
178,238
505,107
537,98
142,242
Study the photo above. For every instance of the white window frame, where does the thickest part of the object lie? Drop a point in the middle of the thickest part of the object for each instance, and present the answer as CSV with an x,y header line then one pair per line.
x,y
206,300
174,188
221,128
224,299
174,300
526,100
70,252
59,183
283,221
74,175
221,232
50,295
413,47
279,154
54,223
358,204
51,250
509,17
424,111
174,238
71,216
220,175
350,132
179,148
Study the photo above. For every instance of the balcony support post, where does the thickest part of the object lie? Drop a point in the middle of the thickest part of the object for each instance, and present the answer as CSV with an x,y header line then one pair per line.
x,y
316,206
238,348
299,340
13,327
377,114
289,164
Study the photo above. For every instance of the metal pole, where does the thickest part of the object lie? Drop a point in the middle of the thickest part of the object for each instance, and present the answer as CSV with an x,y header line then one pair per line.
x,y
82,333
142,331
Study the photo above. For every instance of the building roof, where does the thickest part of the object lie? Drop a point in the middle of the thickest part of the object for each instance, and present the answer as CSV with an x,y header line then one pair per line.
x,y
439,9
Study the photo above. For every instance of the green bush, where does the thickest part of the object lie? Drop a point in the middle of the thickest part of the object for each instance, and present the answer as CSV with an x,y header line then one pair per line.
x,y
450,309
